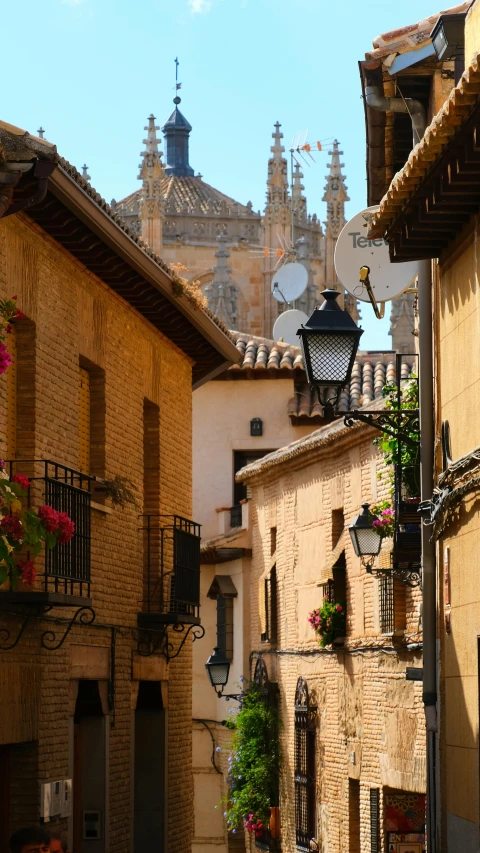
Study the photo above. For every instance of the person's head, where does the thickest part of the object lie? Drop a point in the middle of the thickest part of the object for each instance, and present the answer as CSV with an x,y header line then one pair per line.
x,y
58,843
30,839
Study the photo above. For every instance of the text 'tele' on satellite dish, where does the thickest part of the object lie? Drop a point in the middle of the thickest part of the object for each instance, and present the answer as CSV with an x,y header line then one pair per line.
x,y
287,326
289,282
354,250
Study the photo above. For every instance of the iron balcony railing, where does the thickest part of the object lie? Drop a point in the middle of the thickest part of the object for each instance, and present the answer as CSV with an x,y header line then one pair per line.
x,y
171,590
66,567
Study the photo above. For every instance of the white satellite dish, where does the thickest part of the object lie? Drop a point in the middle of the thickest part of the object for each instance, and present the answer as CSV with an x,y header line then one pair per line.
x,y
289,282
354,250
287,326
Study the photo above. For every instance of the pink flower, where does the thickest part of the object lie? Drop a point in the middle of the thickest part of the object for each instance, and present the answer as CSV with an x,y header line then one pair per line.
x,y
12,526
339,607
19,315
67,527
5,358
22,481
2,463
376,523
27,571
49,518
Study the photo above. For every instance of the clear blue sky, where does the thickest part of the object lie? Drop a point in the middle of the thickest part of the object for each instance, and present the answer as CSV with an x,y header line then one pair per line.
x,y
91,71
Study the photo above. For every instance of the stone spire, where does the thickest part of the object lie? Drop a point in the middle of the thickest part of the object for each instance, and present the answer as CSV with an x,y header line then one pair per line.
x,y
335,195
85,174
277,181
151,201
402,323
177,133
221,293
299,201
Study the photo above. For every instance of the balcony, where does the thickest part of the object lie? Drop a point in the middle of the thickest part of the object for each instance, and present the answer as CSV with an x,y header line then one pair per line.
x,y
171,588
63,572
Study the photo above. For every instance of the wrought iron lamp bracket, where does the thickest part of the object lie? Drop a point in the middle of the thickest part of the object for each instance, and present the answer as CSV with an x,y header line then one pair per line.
x,y
410,577
397,423
5,635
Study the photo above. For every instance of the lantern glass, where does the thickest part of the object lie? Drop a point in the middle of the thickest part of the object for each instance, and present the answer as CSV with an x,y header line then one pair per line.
x,y
328,356
218,669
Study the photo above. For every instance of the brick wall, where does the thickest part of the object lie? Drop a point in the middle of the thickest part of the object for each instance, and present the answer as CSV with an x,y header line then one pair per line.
x,y
369,721
73,318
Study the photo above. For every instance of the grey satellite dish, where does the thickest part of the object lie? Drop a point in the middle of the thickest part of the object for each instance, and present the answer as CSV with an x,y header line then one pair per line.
x,y
287,326
289,282
354,250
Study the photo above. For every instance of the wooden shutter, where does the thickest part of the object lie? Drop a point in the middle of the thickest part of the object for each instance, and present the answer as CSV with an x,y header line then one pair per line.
x,y
374,819
84,421
11,414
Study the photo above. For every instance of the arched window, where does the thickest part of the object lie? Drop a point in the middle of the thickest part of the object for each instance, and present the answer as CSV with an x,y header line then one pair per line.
x,y
305,766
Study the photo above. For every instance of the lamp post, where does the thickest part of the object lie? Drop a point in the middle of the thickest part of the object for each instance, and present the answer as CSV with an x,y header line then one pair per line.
x,y
365,539
329,342
218,670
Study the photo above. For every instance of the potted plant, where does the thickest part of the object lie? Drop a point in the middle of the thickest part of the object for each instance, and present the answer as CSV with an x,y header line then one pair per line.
x,y
328,621
253,764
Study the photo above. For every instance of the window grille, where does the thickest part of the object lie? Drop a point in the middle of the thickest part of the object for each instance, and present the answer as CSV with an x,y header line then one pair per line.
x,y
172,567
328,591
225,626
84,420
387,612
236,516
11,402
304,767
374,819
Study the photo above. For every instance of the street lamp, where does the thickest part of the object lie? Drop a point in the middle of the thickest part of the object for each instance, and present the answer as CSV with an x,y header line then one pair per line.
x,y
448,36
365,539
218,669
329,342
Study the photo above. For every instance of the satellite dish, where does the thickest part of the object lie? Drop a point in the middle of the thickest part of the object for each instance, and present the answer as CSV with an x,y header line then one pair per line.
x,y
354,250
289,282
287,325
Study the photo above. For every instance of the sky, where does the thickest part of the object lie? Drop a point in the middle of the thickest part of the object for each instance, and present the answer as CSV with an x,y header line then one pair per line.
x,y
91,71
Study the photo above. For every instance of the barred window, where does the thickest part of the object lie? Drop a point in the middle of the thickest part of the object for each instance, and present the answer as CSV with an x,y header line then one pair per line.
x,y
268,606
392,610
225,626
304,767
374,819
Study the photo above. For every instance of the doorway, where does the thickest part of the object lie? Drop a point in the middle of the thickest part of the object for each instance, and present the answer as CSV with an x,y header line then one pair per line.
x,y
89,770
149,769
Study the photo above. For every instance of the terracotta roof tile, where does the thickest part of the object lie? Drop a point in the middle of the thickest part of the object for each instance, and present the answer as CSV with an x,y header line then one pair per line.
x,y
438,134
193,194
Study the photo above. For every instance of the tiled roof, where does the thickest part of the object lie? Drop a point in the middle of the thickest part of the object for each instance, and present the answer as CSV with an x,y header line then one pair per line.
x,y
192,194
262,358
462,99
410,37
321,438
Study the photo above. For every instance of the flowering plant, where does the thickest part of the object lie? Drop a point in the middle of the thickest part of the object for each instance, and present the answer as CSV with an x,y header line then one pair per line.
x,y
253,824
8,312
384,520
253,764
23,532
328,621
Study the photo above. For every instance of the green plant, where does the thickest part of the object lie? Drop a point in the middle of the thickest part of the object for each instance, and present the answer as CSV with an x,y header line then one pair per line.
x,y
120,490
253,765
396,451
328,621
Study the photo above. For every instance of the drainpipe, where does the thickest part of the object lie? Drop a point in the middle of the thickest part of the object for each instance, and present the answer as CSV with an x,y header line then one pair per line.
x,y
377,101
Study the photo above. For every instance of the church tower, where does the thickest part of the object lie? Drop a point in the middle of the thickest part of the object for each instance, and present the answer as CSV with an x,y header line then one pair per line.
x,y
221,293
277,223
151,203
177,138
335,195
402,323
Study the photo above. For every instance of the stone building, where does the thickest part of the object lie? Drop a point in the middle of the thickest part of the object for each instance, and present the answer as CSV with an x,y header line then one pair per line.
x,y
447,153
260,405
182,217
352,766
93,689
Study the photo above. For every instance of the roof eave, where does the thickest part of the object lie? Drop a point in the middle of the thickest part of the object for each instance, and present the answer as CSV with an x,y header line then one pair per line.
x,y
63,186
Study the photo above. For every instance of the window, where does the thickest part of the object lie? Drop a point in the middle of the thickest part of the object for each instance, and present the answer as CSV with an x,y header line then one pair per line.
x,y
225,626
392,610
268,606
305,766
11,402
91,419
338,526
374,819
240,459
223,591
